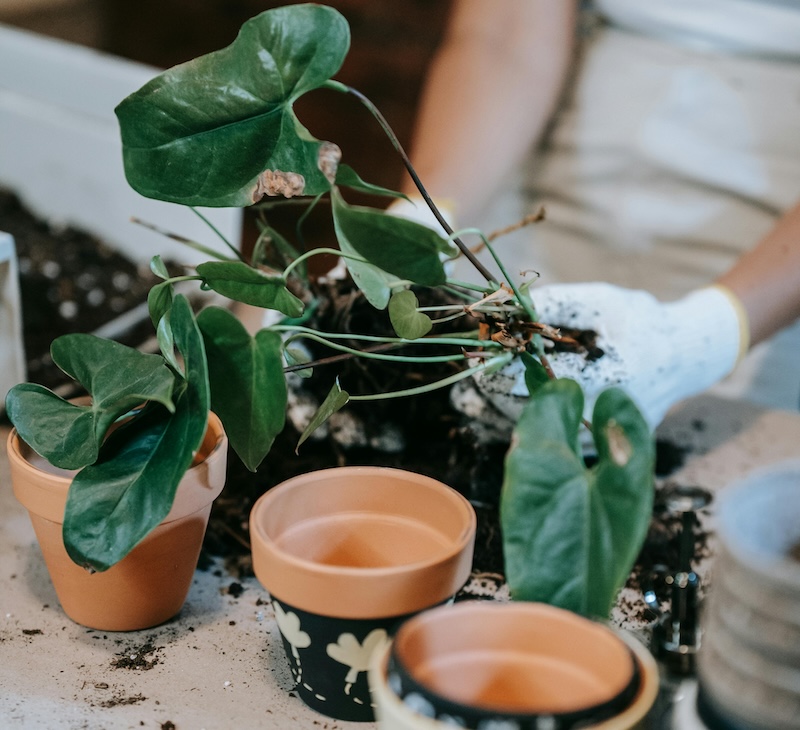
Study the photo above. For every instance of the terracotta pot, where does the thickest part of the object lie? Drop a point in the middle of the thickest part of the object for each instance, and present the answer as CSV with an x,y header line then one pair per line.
x,y
749,662
150,584
348,553
516,665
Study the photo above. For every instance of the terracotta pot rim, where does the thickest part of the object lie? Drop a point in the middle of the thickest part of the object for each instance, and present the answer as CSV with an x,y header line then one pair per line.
x,y
447,564
620,671
627,718
60,483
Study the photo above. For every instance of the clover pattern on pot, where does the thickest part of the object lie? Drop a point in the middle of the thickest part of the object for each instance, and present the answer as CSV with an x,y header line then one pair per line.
x,y
349,651
289,626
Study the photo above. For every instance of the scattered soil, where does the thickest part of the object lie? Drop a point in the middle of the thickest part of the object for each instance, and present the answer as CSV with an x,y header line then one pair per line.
x,y
143,657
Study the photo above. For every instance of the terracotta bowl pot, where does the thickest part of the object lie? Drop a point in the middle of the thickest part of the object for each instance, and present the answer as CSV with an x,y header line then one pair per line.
x,y
149,585
348,553
520,665
749,663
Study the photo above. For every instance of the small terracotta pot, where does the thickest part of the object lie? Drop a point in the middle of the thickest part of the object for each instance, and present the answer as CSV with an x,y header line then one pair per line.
x,y
515,665
749,663
151,583
346,554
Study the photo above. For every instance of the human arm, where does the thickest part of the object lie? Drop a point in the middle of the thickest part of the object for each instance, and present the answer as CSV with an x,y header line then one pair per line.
x,y
490,92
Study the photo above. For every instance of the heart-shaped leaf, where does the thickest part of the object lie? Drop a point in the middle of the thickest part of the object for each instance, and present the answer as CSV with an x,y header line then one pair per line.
x,y
406,320
117,377
159,301
535,373
215,130
113,504
334,401
242,283
399,246
248,387
571,534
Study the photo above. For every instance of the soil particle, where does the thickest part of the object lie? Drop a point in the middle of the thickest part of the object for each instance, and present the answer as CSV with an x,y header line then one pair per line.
x,y
168,725
143,657
235,589
122,700
32,632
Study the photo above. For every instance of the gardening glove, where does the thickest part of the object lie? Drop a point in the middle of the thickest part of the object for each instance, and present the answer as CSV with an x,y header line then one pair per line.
x,y
660,353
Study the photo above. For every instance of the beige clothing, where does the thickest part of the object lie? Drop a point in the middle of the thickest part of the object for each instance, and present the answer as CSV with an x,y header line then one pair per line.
x,y
666,162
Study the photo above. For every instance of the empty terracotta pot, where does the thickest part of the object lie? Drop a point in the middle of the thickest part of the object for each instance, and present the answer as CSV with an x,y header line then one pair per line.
x,y
149,585
346,554
516,665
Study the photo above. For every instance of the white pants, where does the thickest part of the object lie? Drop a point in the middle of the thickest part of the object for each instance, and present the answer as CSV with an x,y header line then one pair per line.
x,y
664,165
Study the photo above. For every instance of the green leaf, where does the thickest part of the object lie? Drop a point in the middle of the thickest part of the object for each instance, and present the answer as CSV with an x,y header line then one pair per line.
x,y
158,267
248,387
334,401
398,246
347,177
296,356
117,377
203,132
535,373
159,301
571,534
406,320
274,249
236,280
113,504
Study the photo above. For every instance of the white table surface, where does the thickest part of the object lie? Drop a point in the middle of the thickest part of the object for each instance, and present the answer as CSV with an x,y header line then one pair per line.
x,y
220,664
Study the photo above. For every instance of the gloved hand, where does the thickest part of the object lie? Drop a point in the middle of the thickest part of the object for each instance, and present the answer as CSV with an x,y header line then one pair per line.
x,y
660,353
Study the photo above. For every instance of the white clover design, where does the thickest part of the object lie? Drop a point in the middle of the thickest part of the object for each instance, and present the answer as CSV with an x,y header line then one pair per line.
x,y
348,651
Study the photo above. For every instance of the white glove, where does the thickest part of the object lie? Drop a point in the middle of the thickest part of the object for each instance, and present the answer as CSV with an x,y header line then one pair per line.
x,y
660,353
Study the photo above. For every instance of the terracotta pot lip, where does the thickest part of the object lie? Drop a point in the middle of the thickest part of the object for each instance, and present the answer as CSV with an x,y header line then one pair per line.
x,y
769,568
14,449
369,591
627,718
452,550
620,696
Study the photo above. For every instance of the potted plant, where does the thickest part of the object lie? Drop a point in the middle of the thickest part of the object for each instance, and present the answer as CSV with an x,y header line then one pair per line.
x,y
220,131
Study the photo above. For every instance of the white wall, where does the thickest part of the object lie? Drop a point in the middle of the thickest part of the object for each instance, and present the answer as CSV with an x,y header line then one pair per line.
x,y
60,148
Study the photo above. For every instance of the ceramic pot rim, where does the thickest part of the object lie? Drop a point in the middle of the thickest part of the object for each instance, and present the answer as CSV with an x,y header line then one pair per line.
x,y
767,568
290,577
626,719
57,485
414,630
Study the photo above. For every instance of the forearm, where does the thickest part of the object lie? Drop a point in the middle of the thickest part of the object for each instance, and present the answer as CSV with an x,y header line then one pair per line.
x,y
490,93
767,279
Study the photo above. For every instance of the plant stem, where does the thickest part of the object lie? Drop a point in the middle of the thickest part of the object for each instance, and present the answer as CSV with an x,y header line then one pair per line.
x,y
205,220
499,361
453,340
185,241
315,252
337,86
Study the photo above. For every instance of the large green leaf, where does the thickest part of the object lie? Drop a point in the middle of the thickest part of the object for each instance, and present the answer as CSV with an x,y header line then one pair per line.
x,y
117,377
236,280
113,504
401,247
203,132
248,387
571,534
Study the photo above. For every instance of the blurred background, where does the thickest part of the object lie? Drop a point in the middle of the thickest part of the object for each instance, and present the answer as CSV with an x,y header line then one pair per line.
x,y
392,41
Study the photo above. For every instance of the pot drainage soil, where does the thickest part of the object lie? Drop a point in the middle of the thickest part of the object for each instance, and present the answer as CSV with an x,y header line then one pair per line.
x,y
71,282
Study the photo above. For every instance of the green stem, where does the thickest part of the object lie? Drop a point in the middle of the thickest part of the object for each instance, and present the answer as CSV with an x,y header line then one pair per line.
x,y
377,355
205,220
337,86
182,239
316,252
499,361
453,340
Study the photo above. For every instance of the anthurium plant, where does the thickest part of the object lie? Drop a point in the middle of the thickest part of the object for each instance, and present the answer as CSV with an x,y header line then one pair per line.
x,y
221,130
